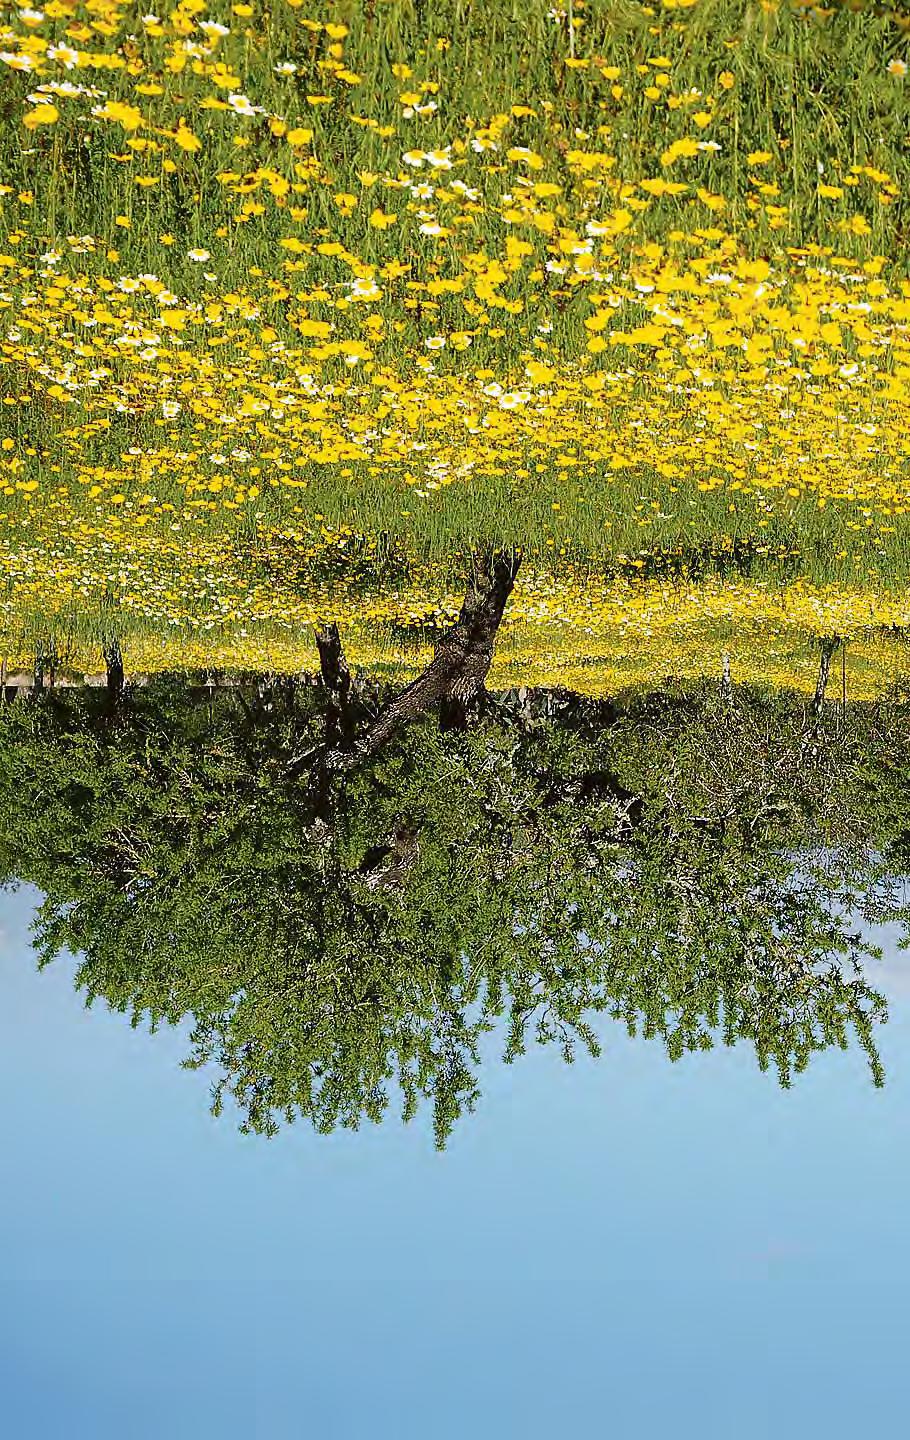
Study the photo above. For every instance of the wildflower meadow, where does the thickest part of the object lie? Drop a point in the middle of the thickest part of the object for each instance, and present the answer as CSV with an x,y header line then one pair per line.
x,y
299,302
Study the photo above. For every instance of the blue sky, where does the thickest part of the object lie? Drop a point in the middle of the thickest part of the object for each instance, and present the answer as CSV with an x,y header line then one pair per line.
x,y
621,1248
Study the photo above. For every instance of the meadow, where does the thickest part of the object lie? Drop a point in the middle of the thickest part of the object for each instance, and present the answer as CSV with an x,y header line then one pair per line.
x,y
300,302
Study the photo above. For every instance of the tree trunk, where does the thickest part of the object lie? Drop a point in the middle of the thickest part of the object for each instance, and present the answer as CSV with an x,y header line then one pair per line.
x,y
336,677
452,681
113,663
829,645
455,676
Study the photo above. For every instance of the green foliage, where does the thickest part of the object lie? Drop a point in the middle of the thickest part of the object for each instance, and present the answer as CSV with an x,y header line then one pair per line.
x,y
691,868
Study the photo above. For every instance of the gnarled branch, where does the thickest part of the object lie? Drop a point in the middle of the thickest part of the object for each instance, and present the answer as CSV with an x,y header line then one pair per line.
x,y
452,681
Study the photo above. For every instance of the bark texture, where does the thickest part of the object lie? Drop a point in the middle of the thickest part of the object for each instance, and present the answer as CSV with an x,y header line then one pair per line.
x,y
829,645
455,677
336,677
113,664
451,683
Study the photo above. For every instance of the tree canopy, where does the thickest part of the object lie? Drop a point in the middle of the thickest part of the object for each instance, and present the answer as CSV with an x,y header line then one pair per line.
x,y
690,865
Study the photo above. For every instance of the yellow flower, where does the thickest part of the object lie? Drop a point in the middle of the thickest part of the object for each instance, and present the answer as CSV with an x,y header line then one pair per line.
x,y
713,202
41,115
319,329
538,373
528,157
684,148
185,138
116,110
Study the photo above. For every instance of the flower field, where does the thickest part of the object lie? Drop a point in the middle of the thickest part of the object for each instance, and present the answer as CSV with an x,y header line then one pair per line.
x,y
299,302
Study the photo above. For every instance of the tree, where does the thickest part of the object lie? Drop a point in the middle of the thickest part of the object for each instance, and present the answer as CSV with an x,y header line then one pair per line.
x,y
673,863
